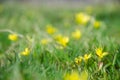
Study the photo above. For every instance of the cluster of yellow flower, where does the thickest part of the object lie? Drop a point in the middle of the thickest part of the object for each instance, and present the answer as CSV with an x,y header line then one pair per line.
x,y
62,40
14,37
80,58
81,18
86,57
59,38
84,19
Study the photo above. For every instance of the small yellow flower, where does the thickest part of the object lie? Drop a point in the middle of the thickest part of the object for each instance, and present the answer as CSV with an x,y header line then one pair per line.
x,y
26,52
76,35
97,24
44,41
82,18
78,60
62,40
13,37
100,53
50,29
86,57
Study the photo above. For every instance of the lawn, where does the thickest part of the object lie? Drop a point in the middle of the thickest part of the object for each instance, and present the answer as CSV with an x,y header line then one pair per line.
x,y
59,43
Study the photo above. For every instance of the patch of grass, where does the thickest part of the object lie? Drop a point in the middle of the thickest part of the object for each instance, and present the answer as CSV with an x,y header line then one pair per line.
x,y
51,56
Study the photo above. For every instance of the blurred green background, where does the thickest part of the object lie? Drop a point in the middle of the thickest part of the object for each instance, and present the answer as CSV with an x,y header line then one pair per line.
x,y
104,10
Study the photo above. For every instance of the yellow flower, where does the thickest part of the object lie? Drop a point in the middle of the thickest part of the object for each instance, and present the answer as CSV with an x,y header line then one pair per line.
x,y
76,76
44,41
86,57
62,40
76,35
82,18
13,37
26,52
73,76
78,60
100,53
50,29
97,24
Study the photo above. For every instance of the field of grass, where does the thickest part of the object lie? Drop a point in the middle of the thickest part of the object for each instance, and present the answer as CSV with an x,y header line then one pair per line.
x,y
59,44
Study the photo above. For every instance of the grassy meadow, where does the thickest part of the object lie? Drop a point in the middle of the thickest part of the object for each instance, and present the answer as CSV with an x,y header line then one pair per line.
x,y
59,43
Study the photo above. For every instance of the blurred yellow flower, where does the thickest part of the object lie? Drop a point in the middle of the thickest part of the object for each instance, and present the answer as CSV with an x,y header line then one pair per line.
x,y
100,53
76,76
97,24
86,57
82,18
76,34
50,29
62,40
73,76
13,37
26,52
78,60
44,41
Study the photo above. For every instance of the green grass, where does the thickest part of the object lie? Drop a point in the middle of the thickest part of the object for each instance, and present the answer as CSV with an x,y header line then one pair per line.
x,y
46,62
